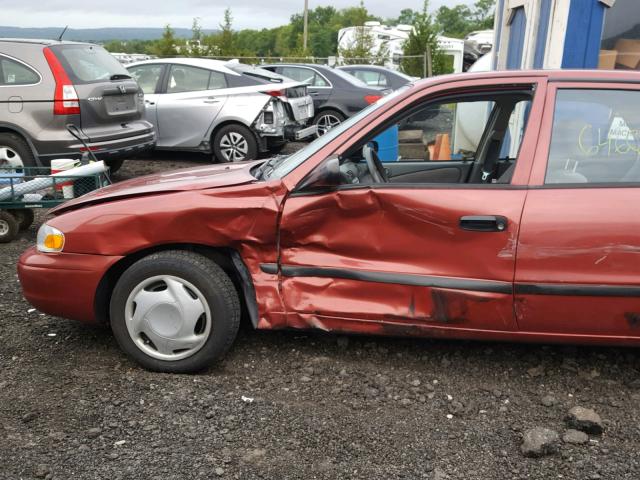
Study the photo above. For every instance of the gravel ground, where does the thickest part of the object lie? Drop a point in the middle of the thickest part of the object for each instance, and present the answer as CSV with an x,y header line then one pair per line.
x,y
291,405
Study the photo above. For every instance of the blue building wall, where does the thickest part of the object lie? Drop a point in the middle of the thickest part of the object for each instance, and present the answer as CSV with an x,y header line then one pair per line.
x,y
517,33
543,32
584,32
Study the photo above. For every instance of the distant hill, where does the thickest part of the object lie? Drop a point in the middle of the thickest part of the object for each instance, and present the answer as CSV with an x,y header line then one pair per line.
x,y
94,34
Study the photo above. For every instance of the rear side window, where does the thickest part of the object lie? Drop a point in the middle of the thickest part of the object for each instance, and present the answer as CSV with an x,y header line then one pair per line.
x,y
371,78
16,73
183,78
595,137
305,75
88,63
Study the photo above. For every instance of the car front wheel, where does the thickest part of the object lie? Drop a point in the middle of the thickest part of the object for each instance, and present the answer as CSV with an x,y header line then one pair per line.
x,y
175,311
235,143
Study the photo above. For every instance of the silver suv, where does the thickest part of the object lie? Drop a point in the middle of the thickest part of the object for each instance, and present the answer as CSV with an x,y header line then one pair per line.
x,y
47,85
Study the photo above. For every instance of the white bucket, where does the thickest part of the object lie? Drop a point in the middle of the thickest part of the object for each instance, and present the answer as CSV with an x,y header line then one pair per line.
x,y
61,165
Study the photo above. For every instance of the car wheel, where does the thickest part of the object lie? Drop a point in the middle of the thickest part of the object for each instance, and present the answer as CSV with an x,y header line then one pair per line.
x,y
235,143
9,227
114,164
175,311
14,152
24,216
326,120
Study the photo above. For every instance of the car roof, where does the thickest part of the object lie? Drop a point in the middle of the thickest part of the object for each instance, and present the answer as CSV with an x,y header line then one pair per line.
x,y
586,76
208,63
42,41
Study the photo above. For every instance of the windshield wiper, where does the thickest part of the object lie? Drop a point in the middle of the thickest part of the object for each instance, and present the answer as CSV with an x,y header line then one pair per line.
x,y
269,166
119,76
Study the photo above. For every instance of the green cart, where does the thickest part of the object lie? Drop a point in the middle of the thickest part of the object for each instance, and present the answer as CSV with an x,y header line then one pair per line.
x,y
26,188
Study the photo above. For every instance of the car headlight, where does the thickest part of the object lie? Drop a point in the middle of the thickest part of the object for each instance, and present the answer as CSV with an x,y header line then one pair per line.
x,y
50,239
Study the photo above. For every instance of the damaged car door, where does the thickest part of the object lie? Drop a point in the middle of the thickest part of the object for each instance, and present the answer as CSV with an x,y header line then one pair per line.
x,y
392,252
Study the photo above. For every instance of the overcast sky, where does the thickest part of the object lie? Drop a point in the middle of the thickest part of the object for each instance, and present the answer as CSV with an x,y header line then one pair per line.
x,y
157,13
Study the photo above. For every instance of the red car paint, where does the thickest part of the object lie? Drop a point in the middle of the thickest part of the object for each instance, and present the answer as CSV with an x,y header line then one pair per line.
x,y
376,260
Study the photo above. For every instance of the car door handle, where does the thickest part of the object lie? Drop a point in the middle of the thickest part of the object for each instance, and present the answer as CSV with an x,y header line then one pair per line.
x,y
484,223
148,102
315,94
211,100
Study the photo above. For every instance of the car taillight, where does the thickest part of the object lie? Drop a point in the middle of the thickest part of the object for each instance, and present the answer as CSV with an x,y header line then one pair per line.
x,y
65,98
372,98
275,93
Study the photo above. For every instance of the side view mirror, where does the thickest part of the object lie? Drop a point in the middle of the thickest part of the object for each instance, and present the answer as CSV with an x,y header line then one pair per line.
x,y
327,174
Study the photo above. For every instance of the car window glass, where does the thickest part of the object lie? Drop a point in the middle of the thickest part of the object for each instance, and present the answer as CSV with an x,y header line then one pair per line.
x,y
217,80
595,137
471,140
147,76
183,78
371,78
15,73
88,63
304,75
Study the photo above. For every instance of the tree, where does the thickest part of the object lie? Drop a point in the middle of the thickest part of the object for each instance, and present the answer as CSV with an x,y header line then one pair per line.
x,y
225,42
196,47
461,20
423,38
166,46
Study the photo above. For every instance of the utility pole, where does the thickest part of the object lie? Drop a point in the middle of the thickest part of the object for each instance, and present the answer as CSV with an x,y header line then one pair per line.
x,y
305,31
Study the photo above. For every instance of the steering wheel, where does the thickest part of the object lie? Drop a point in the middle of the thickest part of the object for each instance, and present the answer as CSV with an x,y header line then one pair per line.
x,y
376,169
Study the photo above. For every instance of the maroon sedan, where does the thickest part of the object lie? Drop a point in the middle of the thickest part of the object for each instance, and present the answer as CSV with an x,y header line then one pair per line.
x,y
507,211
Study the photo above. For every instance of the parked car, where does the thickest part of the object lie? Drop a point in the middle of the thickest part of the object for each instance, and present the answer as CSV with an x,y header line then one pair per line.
x,y
336,94
520,226
46,85
380,77
224,108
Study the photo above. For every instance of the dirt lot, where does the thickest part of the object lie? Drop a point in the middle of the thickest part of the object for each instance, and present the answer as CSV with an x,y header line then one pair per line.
x,y
72,406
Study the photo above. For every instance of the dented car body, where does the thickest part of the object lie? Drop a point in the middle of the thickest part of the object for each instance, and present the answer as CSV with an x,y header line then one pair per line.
x,y
482,244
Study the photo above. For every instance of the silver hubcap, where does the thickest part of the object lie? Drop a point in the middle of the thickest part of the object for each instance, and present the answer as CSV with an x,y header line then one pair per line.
x,y
4,227
168,318
10,158
234,147
327,122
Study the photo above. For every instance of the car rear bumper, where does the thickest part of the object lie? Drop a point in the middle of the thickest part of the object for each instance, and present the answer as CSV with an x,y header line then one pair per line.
x,y
128,141
63,284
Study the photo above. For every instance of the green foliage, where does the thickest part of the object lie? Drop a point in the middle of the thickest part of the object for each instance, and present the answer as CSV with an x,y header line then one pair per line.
x,y
461,20
166,46
324,24
423,38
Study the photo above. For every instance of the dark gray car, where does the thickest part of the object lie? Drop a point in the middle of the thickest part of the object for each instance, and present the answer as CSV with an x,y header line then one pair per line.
x,y
376,76
336,94
46,85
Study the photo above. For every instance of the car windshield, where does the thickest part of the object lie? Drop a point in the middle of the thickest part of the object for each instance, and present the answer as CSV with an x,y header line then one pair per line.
x,y
285,165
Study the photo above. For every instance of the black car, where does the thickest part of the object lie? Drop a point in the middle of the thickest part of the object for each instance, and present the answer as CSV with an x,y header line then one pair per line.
x,y
336,94
375,76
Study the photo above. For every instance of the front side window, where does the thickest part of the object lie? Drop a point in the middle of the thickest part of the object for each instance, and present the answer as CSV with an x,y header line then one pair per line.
x,y
147,77
15,73
620,48
473,140
595,137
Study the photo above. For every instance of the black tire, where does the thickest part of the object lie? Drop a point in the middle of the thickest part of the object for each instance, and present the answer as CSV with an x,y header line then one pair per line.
x,y
9,227
114,164
214,284
276,148
24,216
240,137
325,115
18,146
